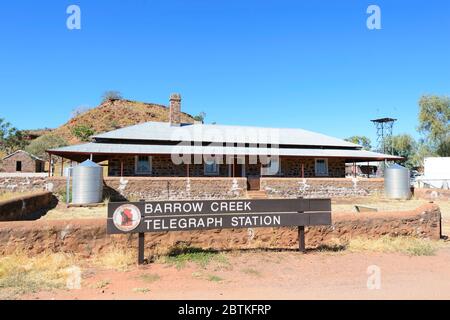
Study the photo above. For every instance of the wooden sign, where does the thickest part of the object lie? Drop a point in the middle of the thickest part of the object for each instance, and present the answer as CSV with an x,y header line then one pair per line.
x,y
162,216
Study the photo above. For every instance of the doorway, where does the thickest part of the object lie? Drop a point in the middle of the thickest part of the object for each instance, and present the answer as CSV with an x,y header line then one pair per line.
x,y
18,166
238,170
253,183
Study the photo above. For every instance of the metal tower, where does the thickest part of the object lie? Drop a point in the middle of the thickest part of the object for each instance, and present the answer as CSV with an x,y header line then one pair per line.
x,y
384,133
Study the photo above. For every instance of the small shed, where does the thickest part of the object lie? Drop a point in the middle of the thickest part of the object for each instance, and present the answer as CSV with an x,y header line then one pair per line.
x,y
22,161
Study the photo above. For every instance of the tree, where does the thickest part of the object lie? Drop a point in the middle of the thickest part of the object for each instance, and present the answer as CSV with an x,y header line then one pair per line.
x,y
83,132
43,143
200,117
361,140
79,111
405,146
111,95
422,151
434,122
11,139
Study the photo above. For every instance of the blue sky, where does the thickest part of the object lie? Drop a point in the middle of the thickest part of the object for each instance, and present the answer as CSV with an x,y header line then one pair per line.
x,y
307,64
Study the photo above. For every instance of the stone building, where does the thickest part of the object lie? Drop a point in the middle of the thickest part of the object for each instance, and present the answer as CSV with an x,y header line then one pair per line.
x,y
174,149
22,161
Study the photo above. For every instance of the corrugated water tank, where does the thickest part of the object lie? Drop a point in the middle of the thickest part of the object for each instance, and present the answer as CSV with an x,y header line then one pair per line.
x,y
87,183
397,183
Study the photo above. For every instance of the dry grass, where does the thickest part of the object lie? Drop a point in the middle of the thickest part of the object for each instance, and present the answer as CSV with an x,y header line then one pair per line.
x,y
445,211
251,272
11,195
150,277
379,203
141,290
21,274
101,284
214,278
61,212
406,245
116,259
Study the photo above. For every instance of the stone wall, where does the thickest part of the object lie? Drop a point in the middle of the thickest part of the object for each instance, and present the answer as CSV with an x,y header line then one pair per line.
x,y
292,167
203,187
321,187
88,236
22,182
28,207
162,166
432,194
154,188
135,188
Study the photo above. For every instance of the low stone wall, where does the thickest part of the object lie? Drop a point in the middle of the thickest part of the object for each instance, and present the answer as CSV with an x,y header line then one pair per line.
x,y
88,236
23,182
154,188
432,194
159,188
134,188
27,207
321,187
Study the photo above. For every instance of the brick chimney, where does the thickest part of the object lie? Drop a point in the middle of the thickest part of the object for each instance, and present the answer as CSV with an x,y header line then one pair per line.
x,y
175,109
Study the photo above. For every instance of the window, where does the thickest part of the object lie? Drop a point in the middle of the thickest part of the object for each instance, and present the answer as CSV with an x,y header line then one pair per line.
x,y
143,165
18,165
271,169
321,167
211,168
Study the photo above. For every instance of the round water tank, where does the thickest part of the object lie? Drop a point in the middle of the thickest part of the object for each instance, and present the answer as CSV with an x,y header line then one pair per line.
x,y
397,182
87,185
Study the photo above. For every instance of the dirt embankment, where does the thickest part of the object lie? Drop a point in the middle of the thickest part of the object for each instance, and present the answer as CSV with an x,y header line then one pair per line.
x,y
25,207
88,236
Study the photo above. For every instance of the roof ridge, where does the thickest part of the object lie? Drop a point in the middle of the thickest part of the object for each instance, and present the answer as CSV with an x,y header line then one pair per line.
x,y
20,150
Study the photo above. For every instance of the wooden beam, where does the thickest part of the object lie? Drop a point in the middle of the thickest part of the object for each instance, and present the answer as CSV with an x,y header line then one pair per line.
x,y
368,170
49,163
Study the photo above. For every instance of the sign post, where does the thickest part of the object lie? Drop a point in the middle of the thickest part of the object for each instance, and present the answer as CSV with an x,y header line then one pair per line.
x,y
141,246
162,216
301,239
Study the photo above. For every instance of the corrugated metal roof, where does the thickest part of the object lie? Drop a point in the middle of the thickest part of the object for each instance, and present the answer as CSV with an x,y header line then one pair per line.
x,y
109,148
224,134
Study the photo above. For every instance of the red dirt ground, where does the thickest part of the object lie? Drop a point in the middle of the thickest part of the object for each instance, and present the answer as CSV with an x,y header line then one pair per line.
x,y
274,275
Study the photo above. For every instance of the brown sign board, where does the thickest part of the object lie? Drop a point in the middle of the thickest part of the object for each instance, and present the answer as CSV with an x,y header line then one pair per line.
x,y
161,216
225,221
163,208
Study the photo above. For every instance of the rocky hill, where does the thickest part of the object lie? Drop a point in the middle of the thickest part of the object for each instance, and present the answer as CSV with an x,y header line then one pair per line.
x,y
115,114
